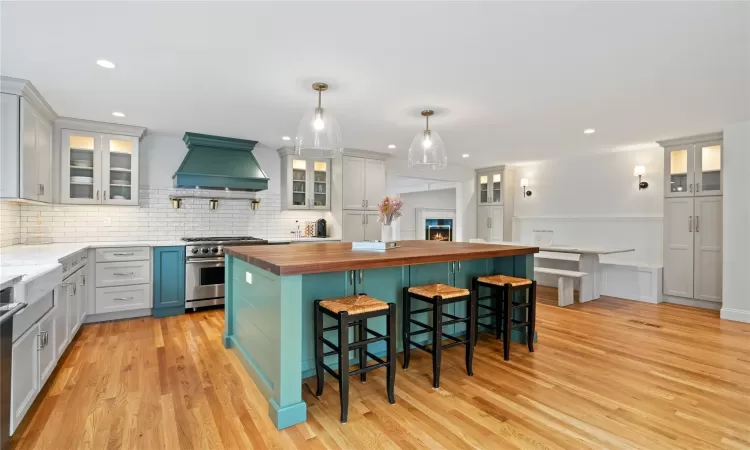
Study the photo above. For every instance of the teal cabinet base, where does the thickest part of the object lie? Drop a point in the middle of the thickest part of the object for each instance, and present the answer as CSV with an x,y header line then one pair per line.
x,y
288,415
168,312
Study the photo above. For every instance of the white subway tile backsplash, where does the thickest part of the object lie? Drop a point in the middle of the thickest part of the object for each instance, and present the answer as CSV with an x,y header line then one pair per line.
x,y
153,219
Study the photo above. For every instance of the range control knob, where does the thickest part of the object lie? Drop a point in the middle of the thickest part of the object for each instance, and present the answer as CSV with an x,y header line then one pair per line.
x,y
204,250
194,251
215,250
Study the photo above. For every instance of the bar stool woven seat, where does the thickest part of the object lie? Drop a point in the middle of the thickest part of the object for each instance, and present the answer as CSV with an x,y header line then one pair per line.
x,y
439,290
502,280
354,304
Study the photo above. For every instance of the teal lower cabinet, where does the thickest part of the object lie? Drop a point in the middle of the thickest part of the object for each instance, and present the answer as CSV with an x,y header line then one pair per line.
x,y
169,281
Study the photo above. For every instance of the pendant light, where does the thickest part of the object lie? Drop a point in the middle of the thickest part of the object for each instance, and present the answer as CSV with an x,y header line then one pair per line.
x,y
427,150
318,133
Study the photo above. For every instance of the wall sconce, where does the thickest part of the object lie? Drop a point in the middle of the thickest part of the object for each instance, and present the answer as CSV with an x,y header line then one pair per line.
x,y
255,204
524,183
176,203
213,203
639,171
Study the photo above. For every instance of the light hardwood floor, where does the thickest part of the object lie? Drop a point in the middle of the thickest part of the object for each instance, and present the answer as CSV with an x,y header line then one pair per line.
x,y
607,374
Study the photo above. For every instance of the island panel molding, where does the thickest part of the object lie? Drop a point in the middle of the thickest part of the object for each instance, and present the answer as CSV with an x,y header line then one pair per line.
x,y
308,259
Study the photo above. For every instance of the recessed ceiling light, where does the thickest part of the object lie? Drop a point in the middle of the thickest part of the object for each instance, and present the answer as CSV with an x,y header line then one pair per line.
x,y
118,114
465,155
391,146
589,131
285,138
106,64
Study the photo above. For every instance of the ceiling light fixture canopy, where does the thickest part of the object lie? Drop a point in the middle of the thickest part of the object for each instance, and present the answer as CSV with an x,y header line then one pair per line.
x,y
318,133
427,150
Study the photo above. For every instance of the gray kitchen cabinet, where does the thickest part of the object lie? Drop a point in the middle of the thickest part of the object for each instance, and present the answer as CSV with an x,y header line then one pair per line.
x,y
364,182
693,248
25,143
352,228
708,255
490,223
693,219
693,166
373,228
490,185
678,247
305,181
25,382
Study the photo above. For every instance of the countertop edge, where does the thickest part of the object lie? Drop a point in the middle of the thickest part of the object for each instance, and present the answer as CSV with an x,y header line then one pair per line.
x,y
376,264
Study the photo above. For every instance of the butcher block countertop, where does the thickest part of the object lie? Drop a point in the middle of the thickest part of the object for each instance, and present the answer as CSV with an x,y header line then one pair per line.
x,y
320,258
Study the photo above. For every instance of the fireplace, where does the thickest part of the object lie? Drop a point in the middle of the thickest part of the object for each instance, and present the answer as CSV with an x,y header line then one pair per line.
x,y
438,229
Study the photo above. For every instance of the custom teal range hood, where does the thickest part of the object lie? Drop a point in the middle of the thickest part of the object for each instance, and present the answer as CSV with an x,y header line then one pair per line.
x,y
215,162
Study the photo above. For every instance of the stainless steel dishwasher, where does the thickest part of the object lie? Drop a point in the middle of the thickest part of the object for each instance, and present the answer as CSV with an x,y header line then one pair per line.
x,y
7,310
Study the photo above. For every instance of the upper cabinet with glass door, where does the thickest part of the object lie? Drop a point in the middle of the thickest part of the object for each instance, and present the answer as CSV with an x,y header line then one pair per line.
x,y
490,186
120,169
98,168
693,166
305,182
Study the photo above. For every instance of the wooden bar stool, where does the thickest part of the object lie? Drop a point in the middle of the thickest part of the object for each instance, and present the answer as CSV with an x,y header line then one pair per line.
x,y
502,288
350,311
438,295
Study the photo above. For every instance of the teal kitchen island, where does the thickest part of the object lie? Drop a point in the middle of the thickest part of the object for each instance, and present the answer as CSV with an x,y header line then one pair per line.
x,y
270,292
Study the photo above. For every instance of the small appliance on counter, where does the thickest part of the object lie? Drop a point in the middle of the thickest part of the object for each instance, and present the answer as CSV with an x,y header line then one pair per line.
x,y
320,228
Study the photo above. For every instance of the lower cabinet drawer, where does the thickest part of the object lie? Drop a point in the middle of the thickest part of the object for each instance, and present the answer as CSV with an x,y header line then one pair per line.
x,y
122,298
122,254
122,273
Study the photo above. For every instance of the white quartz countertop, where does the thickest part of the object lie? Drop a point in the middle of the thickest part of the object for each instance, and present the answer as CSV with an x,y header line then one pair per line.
x,y
9,280
22,255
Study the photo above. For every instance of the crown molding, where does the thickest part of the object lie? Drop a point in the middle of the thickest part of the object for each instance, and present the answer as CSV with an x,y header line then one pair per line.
x,y
717,136
485,170
68,123
24,88
289,151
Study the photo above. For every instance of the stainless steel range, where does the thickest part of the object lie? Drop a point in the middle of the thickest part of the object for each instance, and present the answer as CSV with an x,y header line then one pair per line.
x,y
204,268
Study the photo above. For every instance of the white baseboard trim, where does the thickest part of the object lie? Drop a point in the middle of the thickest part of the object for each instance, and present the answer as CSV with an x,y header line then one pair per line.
x,y
738,315
692,302
119,315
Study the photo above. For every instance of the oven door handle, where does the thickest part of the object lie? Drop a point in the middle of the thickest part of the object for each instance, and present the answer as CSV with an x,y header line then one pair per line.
x,y
205,260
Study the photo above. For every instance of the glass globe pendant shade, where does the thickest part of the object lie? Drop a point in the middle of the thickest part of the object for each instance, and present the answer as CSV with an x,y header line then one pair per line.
x,y
318,134
427,150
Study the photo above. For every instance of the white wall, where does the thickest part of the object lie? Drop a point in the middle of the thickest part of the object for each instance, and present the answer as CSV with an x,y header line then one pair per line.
x,y
439,199
595,201
736,223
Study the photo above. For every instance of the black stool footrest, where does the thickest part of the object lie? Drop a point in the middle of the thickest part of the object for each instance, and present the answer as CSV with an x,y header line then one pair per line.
x,y
368,368
420,311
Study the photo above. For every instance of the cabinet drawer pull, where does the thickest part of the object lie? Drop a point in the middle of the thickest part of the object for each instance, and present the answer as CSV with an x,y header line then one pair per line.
x,y
123,274
697,188
697,223
459,266
123,298
124,254
351,277
40,343
361,275
97,194
690,224
691,187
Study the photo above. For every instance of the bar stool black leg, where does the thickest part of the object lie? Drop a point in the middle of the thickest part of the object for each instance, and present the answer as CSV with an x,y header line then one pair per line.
x,y
362,335
406,326
319,348
508,317
532,316
344,365
437,340
474,319
471,330
391,357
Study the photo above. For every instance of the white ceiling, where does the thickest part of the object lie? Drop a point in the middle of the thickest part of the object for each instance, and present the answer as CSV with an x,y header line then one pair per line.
x,y
510,81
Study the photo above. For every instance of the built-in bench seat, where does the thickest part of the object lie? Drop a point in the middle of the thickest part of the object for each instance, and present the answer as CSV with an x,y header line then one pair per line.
x,y
564,283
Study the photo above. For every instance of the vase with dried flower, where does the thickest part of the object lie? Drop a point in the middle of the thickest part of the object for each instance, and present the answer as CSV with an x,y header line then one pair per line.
x,y
390,210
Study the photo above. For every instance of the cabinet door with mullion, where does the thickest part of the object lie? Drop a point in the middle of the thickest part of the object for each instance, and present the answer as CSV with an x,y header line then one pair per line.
x,y
319,183
299,184
708,168
80,176
679,166
119,170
